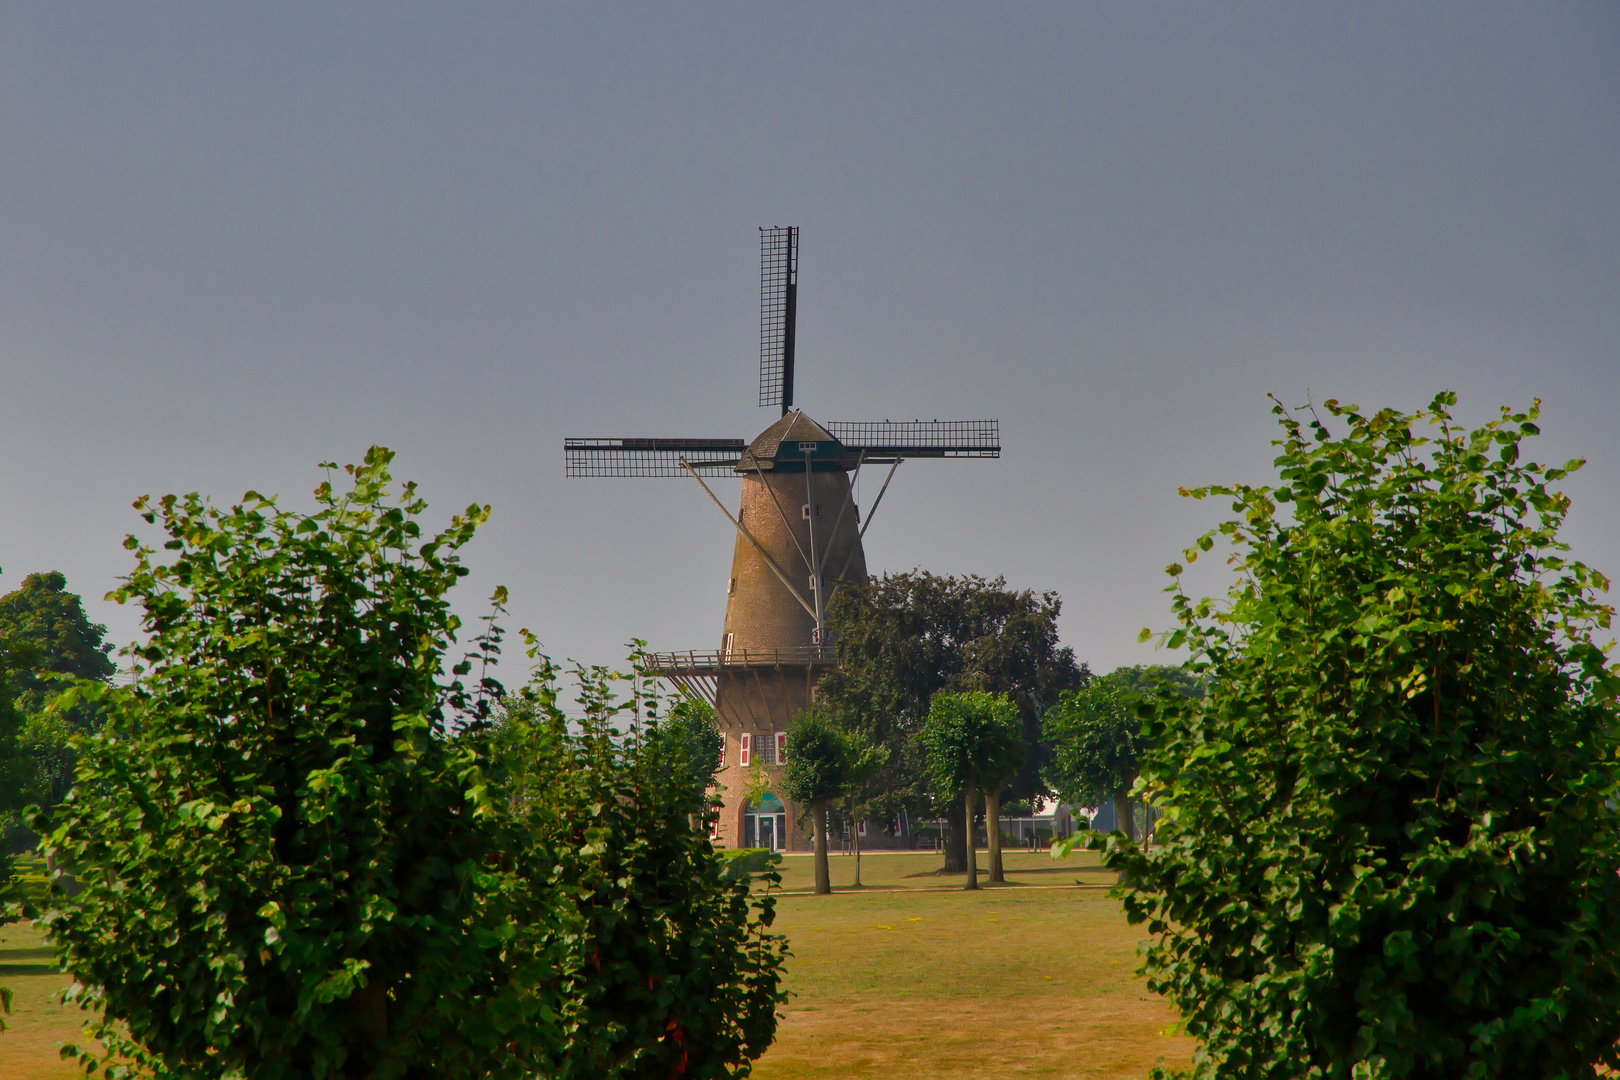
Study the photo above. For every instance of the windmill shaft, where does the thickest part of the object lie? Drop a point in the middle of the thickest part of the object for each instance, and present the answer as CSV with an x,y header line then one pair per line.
x,y
782,514
759,548
760,612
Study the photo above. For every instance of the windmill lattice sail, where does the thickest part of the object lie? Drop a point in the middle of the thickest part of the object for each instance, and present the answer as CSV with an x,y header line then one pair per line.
x,y
651,457
873,441
778,313
883,440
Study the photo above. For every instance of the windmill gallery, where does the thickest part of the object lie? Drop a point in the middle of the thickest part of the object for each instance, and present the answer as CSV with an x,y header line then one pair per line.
x,y
798,534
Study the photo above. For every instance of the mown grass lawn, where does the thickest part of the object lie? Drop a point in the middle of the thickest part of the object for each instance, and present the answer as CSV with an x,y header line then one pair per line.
x,y
37,1026
906,977
913,977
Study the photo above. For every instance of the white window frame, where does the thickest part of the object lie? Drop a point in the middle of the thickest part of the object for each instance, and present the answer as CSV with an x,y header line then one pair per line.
x,y
781,748
746,751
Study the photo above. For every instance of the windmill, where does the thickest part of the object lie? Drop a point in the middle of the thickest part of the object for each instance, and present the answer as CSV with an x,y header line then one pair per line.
x,y
798,541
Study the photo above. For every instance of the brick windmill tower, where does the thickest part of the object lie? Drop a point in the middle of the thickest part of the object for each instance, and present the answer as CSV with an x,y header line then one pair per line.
x,y
798,541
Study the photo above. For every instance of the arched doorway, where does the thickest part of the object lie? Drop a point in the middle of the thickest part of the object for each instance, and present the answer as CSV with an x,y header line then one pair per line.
x,y
765,824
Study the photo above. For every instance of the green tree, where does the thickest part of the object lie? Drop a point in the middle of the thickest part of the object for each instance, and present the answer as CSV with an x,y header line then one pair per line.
x,y
306,852
693,739
281,848
906,637
861,790
1094,737
666,968
816,773
47,631
48,619
14,656
969,737
1390,844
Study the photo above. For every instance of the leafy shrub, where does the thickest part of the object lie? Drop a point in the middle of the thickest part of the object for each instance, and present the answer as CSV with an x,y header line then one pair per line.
x,y
306,853
668,967
279,856
1389,842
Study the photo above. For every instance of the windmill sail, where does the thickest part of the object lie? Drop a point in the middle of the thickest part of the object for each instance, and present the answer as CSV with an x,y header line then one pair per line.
x,y
778,313
885,439
651,457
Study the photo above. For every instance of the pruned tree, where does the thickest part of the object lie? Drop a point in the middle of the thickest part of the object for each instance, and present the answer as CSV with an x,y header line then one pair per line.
x,y
861,788
1094,736
816,773
906,637
1390,845
969,738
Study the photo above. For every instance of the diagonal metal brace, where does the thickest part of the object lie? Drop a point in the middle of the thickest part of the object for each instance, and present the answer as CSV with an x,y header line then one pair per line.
x,y
783,515
777,570
849,497
838,583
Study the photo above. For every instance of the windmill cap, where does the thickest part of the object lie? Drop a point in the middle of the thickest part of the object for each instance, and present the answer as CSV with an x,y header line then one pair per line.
x,y
785,444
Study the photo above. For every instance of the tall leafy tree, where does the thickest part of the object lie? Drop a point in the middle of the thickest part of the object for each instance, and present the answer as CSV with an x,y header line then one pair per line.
x,y
905,637
14,656
17,657
1390,844
692,743
50,621
47,631
969,738
816,773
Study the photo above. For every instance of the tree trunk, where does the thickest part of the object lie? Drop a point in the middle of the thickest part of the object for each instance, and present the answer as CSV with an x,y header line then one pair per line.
x,y
1126,813
818,810
967,835
992,832
855,836
955,851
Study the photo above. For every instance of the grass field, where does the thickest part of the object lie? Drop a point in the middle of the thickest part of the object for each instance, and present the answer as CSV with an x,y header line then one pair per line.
x,y
912,976
37,1026
909,976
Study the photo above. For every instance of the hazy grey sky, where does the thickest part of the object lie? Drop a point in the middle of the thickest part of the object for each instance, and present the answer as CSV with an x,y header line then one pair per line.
x,y
237,240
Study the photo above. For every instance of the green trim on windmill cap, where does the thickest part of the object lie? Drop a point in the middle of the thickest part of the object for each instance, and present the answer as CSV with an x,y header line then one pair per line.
x,y
783,446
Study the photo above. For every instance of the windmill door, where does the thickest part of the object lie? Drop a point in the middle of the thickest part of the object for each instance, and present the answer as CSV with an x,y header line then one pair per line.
x,y
765,825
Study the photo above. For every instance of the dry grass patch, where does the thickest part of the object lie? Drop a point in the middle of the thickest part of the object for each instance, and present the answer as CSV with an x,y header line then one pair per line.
x,y
37,1026
1032,982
